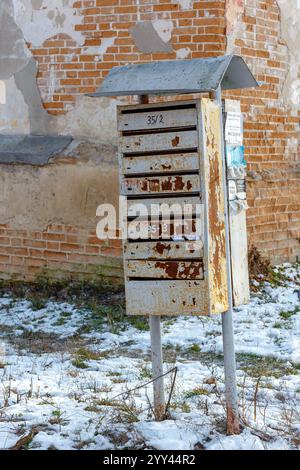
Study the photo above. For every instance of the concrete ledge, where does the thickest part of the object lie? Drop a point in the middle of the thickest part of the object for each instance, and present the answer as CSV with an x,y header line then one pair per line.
x,y
31,149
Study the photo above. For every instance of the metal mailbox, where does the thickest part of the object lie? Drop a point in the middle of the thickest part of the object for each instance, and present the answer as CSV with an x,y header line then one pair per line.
x,y
170,156
175,152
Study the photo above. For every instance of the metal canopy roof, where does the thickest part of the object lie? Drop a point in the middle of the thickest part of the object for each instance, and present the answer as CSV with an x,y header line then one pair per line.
x,y
178,77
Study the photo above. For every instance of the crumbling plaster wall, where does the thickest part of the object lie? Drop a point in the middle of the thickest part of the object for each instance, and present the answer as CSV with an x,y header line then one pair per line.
x,y
70,188
290,38
66,191
25,24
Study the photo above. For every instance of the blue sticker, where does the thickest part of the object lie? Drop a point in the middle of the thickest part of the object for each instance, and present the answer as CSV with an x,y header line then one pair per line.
x,y
235,155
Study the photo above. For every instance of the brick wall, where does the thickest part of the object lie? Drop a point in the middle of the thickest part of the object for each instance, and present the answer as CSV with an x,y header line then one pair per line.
x,y
201,30
58,253
271,135
271,128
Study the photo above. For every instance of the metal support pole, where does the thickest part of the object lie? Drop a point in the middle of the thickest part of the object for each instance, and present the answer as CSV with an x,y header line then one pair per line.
x,y
143,99
157,368
156,350
233,424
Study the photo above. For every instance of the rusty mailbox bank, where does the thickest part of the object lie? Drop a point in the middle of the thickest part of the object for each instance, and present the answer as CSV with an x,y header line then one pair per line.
x,y
172,155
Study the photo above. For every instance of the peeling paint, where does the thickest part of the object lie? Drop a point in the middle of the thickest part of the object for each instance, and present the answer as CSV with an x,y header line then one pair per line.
x,y
103,127
233,13
290,32
2,92
14,54
185,4
16,61
216,221
14,119
40,20
183,53
100,50
40,121
164,29
152,36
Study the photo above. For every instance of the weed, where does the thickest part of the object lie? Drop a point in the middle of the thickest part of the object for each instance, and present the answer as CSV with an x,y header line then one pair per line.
x,y
257,264
259,366
140,323
286,315
37,303
92,409
196,392
113,373
195,348
79,363
81,444
145,373
58,418
88,355
60,322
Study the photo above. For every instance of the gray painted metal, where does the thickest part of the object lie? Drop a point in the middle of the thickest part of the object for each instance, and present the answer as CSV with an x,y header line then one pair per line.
x,y
178,77
157,368
31,149
233,422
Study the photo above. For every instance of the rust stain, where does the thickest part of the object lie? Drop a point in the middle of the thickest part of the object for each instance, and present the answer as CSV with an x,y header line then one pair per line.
x,y
154,185
180,269
167,184
178,183
175,141
161,247
216,222
233,422
189,185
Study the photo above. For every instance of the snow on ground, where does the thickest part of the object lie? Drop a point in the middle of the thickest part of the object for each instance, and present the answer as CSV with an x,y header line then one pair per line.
x,y
66,379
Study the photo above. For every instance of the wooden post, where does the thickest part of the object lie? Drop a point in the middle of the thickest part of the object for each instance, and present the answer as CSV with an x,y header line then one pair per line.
x,y
156,350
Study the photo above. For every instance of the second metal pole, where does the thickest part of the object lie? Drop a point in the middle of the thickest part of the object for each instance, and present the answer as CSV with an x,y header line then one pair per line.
x,y
233,422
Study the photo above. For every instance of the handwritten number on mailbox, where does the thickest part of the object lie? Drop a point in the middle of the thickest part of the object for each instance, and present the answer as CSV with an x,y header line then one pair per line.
x,y
153,119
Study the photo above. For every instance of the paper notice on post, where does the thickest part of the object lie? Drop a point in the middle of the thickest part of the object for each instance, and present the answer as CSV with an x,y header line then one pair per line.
x,y
234,122
234,128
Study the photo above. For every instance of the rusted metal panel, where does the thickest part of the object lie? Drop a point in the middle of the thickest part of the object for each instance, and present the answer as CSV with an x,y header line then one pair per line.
x,y
216,248
167,297
160,119
157,170
160,163
161,269
158,142
161,184
165,230
163,250
159,205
